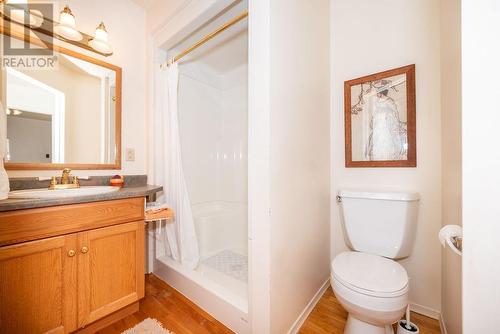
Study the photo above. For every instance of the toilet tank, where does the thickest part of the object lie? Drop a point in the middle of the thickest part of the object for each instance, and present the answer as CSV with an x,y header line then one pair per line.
x,y
381,223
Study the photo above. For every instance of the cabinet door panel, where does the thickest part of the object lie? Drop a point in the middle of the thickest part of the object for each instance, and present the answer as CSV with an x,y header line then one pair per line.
x,y
38,286
111,270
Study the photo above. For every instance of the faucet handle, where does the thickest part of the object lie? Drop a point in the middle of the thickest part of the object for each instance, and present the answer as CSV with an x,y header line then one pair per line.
x,y
66,171
76,181
53,182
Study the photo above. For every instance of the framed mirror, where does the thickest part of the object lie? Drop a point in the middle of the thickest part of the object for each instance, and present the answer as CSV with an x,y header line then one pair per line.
x,y
380,120
65,116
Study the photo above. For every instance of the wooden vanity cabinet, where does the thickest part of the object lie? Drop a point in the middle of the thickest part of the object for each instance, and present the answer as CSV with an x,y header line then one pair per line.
x,y
38,286
110,269
62,283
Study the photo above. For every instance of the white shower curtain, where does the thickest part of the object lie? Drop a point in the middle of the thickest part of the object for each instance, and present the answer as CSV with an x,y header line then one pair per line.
x,y
179,237
4,179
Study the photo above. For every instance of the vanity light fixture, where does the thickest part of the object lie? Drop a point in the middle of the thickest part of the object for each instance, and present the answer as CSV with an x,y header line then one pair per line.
x,y
13,112
19,11
67,26
100,40
19,15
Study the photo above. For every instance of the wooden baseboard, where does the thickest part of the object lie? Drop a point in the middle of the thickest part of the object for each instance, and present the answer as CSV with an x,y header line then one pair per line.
x,y
424,310
110,319
442,325
309,307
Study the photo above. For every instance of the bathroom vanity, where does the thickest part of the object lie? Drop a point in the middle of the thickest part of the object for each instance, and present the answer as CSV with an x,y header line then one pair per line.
x,y
71,249
68,267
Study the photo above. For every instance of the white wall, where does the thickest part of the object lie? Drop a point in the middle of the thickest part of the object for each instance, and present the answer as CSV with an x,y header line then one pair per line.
x,y
259,220
372,36
126,24
451,127
299,156
481,165
288,156
161,12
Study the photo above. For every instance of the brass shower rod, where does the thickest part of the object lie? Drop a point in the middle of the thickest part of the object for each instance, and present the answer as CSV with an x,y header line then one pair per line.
x,y
205,39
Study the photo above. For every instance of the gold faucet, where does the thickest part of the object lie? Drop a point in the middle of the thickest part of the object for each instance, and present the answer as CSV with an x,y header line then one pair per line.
x,y
65,176
65,184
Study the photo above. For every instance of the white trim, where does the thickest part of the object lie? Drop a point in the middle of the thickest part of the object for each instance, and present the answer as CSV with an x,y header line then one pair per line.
x,y
309,307
59,128
196,291
102,115
259,207
442,325
424,310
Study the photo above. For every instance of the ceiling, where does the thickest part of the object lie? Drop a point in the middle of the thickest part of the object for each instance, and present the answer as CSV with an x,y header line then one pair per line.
x,y
146,3
225,52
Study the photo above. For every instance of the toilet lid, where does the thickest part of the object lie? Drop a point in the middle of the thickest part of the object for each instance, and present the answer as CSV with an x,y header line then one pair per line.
x,y
369,272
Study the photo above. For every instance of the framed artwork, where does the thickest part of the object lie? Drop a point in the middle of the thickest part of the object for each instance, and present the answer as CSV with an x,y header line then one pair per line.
x,y
379,111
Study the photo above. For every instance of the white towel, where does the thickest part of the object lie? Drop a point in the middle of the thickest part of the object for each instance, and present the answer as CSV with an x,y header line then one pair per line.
x,y
4,179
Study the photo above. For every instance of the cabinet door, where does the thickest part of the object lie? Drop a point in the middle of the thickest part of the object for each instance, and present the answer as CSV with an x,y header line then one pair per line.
x,y
38,286
110,270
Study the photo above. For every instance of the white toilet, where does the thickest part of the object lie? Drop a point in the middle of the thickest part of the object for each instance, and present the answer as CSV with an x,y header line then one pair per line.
x,y
371,286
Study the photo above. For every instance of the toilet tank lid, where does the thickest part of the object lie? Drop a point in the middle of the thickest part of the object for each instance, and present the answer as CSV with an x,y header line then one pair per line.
x,y
390,196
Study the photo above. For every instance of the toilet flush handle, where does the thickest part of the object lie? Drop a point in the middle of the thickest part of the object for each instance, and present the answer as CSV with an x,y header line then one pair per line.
x,y
339,199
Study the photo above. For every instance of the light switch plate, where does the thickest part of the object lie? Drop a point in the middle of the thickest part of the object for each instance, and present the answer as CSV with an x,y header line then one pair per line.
x,y
130,154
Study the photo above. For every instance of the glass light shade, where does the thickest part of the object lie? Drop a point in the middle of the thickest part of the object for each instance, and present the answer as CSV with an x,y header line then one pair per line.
x,y
101,34
100,40
36,18
67,26
100,46
67,19
13,112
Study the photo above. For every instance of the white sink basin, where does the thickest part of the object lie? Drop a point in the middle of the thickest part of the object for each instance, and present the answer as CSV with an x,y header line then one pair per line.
x,y
61,193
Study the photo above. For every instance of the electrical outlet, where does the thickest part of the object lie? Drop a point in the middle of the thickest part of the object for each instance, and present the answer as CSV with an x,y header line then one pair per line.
x,y
130,154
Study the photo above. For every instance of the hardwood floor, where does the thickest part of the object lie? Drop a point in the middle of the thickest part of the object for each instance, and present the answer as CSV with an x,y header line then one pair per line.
x,y
173,310
328,317
181,316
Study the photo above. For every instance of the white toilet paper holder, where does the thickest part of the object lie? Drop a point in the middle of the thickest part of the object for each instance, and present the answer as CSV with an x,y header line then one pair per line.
x,y
457,242
451,235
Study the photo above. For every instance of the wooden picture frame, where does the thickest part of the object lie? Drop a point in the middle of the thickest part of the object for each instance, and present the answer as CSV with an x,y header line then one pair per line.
x,y
380,119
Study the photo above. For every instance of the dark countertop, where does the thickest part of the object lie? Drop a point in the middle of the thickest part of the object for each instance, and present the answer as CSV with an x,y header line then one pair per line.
x,y
126,192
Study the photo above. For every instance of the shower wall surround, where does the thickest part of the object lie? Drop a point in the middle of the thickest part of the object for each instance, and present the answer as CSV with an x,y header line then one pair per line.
x,y
213,128
213,122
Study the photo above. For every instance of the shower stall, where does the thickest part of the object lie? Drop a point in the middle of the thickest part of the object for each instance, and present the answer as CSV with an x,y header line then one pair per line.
x,y
213,131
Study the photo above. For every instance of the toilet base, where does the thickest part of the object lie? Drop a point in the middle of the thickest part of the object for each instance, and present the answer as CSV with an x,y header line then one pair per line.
x,y
356,326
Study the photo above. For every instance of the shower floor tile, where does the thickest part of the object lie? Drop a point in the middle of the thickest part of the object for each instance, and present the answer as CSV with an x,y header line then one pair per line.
x,y
229,263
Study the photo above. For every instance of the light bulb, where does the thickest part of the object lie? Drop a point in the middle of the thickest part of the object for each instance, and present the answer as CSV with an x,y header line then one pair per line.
x,y
67,26
13,112
100,40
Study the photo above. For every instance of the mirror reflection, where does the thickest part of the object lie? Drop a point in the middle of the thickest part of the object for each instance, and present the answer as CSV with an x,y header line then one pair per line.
x,y
62,115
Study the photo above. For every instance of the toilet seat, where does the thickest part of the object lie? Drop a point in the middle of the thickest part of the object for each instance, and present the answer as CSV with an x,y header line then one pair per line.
x,y
370,274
